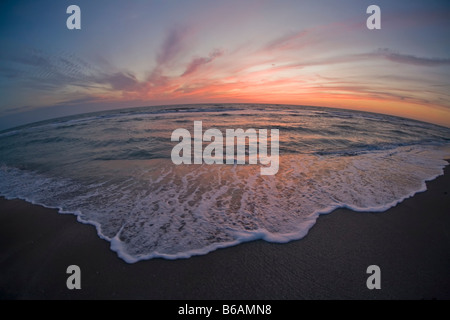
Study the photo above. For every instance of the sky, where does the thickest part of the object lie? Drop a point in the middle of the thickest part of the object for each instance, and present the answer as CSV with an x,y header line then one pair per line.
x,y
159,52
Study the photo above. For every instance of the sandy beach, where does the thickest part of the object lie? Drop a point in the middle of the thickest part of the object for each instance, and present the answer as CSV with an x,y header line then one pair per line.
x,y
410,243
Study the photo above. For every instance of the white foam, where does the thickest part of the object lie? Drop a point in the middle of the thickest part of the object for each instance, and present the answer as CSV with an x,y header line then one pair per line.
x,y
159,210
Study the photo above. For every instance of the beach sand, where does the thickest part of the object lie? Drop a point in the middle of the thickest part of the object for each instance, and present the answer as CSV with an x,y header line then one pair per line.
x,y
410,243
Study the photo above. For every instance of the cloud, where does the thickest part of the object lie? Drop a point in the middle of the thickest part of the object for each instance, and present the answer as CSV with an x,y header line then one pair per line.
x,y
413,60
9,73
65,73
198,62
385,54
121,81
282,67
34,58
38,70
157,78
174,44
16,109
288,41
85,99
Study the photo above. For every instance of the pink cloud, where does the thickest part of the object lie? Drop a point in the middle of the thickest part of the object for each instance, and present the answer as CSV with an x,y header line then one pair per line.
x,y
198,62
175,44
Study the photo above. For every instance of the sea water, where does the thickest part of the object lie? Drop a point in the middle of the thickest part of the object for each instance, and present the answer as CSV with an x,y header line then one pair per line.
x,y
114,170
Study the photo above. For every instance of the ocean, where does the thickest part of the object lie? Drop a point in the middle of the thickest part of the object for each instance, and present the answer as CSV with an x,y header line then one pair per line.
x,y
114,170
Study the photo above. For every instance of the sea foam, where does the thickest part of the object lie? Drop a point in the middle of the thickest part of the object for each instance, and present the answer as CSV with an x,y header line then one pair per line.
x,y
147,207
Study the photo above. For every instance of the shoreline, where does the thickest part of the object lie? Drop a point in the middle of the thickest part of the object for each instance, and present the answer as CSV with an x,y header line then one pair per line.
x,y
410,242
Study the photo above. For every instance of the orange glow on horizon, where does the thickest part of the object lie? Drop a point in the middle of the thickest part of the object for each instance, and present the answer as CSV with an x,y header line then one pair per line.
x,y
285,91
257,54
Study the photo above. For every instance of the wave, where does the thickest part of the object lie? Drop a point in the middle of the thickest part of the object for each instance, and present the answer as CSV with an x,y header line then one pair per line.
x,y
113,170
154,209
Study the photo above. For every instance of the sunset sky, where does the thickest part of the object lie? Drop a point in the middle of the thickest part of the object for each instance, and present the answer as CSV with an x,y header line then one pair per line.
x,y
140,53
